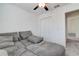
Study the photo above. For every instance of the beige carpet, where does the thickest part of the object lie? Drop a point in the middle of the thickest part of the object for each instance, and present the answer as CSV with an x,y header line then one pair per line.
x,y
72,48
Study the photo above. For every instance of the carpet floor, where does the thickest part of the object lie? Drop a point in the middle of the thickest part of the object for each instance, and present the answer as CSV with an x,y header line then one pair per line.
x,y
72,48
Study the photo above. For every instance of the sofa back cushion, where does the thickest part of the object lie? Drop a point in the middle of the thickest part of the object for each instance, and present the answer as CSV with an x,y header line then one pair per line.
x,y
13,34
25,34
6,44
6,39
15,37
35,39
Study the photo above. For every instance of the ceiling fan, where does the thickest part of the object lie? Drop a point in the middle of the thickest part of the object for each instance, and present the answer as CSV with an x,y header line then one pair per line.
x,y
41,5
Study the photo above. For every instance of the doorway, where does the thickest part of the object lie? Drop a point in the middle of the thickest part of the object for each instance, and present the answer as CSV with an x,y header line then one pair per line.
x,y
72,33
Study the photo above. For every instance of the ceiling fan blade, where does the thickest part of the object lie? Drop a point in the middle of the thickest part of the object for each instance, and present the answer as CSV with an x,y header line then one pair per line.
x,y
36,7
46,8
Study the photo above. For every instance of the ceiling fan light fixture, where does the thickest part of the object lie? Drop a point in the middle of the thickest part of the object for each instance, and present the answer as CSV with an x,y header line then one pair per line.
x,y
42,5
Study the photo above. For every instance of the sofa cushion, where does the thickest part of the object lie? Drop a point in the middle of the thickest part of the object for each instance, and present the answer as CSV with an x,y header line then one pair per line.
x,y
11,50
6,44
34,47
19,44
35,39
19,52
28,53
26,42
25,34
6,38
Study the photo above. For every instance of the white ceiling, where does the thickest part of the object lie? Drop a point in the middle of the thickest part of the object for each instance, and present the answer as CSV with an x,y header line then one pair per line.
x,y
29,7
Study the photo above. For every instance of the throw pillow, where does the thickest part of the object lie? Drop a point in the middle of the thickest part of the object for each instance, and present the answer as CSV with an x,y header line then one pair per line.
x,y
25,34
35,39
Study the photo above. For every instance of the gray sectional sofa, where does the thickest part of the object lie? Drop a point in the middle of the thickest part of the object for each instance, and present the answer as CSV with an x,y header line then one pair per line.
x,y
24,43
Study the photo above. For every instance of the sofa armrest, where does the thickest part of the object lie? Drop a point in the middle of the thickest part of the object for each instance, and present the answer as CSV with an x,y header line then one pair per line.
x,y
3,52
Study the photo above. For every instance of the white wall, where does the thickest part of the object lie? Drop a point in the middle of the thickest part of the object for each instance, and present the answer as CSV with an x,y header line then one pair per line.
x,y
0,18
13,18
53,27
